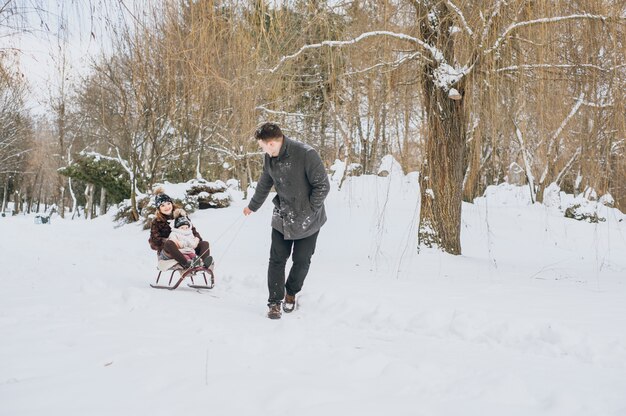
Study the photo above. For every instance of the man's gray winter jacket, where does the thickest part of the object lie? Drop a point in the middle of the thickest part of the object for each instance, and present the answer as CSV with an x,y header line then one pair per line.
x,y
301,184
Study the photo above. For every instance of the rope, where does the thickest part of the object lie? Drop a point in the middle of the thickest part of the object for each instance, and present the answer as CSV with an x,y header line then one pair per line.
x,y
235,234
239,220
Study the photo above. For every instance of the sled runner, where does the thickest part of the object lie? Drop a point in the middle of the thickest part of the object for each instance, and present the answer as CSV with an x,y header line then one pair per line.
x,y
172,266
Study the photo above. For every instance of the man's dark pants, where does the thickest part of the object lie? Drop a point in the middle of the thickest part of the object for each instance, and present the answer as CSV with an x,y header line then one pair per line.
x,y
303,250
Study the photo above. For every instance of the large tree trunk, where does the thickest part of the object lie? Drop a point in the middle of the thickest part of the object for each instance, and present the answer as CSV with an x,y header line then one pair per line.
x,y
441,178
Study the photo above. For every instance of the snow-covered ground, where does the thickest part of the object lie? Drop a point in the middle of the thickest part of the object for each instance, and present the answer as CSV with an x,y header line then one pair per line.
x,y
530,320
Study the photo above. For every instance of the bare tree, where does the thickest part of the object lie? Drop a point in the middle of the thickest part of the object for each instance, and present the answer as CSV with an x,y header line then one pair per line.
x,y
461,50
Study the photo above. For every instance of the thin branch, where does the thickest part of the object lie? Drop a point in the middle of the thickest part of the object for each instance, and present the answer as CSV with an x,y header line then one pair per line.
x,y
494,14
558,66
436,54
282,113
567,166
615,147
459,13
597,105
232,154
393,65
571,114
526,157
558,132
513,27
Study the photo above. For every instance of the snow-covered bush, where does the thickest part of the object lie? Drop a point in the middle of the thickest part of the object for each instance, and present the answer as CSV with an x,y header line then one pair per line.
x,y
576,207
586,206
607,200
192,195
101,171
585,211
232,184
124,212
339,167
552,196
505,194
355,169
204,194
389,166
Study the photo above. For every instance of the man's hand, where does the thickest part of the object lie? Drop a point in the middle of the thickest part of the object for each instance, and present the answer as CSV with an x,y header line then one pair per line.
x,y
247,211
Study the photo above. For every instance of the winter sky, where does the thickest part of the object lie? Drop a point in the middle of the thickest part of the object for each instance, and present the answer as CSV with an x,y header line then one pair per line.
x,y
75,30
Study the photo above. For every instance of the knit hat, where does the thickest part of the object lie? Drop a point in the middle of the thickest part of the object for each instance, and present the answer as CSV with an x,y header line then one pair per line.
x,y
160,199
180,221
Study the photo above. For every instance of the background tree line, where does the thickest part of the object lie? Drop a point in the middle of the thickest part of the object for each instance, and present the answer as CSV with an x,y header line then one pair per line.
x,y
469,93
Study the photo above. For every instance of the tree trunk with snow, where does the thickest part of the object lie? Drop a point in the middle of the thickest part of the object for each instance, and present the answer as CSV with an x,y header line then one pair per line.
x,y
441,179
549,171
62,202
17,198
4,196
103,201
89,200
74,200
442,172
133,194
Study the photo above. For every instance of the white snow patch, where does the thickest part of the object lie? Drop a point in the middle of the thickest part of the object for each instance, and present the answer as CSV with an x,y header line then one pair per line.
x,y
390,165
525,322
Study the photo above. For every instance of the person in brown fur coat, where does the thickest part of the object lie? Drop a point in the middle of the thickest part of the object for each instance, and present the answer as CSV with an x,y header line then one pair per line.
x,y
169,249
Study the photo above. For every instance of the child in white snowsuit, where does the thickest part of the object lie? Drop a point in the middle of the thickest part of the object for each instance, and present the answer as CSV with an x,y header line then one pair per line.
x,y
183,236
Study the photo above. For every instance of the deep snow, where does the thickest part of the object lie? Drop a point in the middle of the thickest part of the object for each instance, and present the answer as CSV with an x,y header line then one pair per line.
x,y
530,320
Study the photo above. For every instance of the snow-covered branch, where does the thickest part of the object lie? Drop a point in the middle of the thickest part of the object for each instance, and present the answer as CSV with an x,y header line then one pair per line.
x,y
526,156
487,27
459,13
14,156
124,164
567,166
97,156
571,114
598,105
545,20
558,132
394,64
616,147
232,154
558,66
435,53
282,113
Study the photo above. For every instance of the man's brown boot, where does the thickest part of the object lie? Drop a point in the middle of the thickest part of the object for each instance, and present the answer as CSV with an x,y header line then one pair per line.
x,y
289,304
274,312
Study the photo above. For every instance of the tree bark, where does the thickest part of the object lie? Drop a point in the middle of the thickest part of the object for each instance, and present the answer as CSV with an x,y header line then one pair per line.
x,y
103,201
62,202
4,196
441,178
89,201
17,205
75,210
133,194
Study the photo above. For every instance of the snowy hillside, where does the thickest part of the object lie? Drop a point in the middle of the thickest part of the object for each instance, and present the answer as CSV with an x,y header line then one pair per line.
x,y
528,321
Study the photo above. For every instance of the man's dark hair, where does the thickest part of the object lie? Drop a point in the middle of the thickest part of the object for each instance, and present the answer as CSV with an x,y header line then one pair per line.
x,y
268,131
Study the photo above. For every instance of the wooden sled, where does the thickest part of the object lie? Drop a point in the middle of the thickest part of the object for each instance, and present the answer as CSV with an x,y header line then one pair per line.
x,y
172,267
